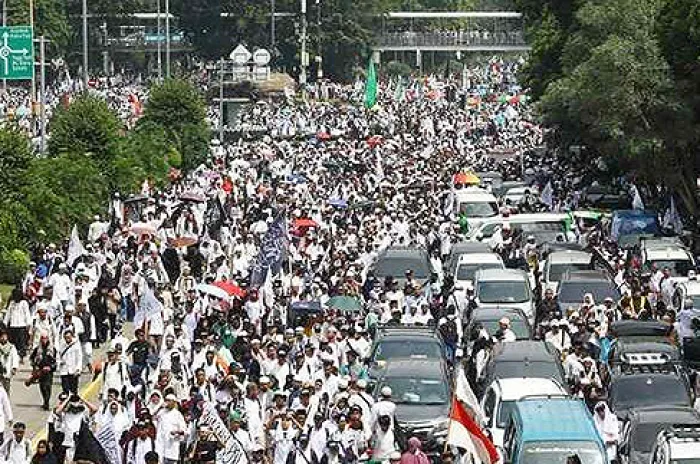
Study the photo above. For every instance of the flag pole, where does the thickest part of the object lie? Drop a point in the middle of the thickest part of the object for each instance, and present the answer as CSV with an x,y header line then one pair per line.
x,y
449,417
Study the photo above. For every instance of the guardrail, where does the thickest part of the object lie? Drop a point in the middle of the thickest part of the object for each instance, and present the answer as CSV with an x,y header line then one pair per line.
x,y
465,39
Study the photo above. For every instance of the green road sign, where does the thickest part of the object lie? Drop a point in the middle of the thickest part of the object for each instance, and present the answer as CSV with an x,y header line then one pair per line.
x,y
16,52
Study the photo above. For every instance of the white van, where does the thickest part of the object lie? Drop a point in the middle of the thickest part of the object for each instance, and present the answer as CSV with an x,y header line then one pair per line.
x,y
476,204
546,227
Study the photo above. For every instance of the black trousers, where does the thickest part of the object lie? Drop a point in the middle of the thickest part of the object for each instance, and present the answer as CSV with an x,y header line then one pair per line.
x,y
69,383
45,384
18,337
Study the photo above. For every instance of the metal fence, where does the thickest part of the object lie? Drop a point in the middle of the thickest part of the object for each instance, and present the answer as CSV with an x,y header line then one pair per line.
x,y
474,38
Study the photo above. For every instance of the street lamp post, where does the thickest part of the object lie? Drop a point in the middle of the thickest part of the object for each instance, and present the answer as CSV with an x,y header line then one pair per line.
x,y
42,99
85,46
272,26
167,39
304,60
160,53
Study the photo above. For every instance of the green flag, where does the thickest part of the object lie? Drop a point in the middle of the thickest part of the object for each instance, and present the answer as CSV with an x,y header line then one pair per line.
x,y
371,86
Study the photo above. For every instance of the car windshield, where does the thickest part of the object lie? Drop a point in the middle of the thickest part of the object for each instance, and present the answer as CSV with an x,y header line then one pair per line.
x,y
685,461
517,325
467,271
562,452
504,413
397,267
639,391
556,271
544,232
512,291
573,290
413,390
407,349
478,209
678,267
518,369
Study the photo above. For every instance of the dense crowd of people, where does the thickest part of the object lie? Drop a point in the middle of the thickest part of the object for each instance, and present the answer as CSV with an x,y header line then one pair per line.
x,y
297,210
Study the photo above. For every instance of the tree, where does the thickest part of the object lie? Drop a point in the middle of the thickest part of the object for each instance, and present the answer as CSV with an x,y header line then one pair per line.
x,y
50,20
87,127
177,107
15,157
61,191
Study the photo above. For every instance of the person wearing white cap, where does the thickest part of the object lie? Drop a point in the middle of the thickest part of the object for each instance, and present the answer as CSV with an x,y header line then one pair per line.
x,y
506,333
62,285
383,407
171,430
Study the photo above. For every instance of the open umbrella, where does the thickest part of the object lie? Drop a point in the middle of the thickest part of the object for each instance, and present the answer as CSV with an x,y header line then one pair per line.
x,y
213,290
338,203
193,197
323,136
466,178
230,288
304,222
374,141
345,303
182,242
296,178
142,228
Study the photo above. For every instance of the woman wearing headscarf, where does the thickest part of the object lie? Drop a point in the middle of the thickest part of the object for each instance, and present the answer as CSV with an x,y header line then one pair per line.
x,y
414,455
607,425
115,416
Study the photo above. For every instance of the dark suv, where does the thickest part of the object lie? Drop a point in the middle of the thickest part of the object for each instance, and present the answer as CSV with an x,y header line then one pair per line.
x,y
404,343
395,261
421,390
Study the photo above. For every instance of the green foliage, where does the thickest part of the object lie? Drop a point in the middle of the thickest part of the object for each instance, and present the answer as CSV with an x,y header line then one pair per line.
x,y
397,68
15,156
87,127
64,190
176,107
51,20
13,264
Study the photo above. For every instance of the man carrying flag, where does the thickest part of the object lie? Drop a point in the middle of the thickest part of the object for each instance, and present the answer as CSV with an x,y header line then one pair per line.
x,y
466,434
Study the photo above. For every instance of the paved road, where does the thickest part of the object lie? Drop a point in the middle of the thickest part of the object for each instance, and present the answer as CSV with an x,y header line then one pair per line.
x,y
26,401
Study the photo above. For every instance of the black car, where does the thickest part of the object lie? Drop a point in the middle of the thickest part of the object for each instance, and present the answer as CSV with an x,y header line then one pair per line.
x,y
488,319
575,285
659,347
395,261
639,433
421,390
520,359
640,386
405,343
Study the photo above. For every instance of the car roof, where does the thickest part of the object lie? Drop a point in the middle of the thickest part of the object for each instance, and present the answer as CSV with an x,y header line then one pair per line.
x,y
500,275
475,194
521,218
637,328
401,252
494,314
517,388
630,345
464,248
478,258
533,350
668,414
581,276
667,254
569,257
414,367
541,420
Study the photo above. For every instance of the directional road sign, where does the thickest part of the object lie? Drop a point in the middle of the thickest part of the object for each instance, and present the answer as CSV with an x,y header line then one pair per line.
x,y
16,53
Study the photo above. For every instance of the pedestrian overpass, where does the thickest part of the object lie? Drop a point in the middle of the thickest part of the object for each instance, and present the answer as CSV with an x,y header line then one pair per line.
x,y
463,31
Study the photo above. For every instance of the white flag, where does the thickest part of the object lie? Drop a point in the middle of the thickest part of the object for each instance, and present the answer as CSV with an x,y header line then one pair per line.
x,y
637,202
547,196
107,437
75,247
672,220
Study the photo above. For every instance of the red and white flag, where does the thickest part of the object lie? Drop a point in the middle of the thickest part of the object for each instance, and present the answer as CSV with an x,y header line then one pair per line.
x,y
465,433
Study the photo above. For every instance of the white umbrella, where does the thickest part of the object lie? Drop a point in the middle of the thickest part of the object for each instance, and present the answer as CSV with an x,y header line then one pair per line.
x,y
143,228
